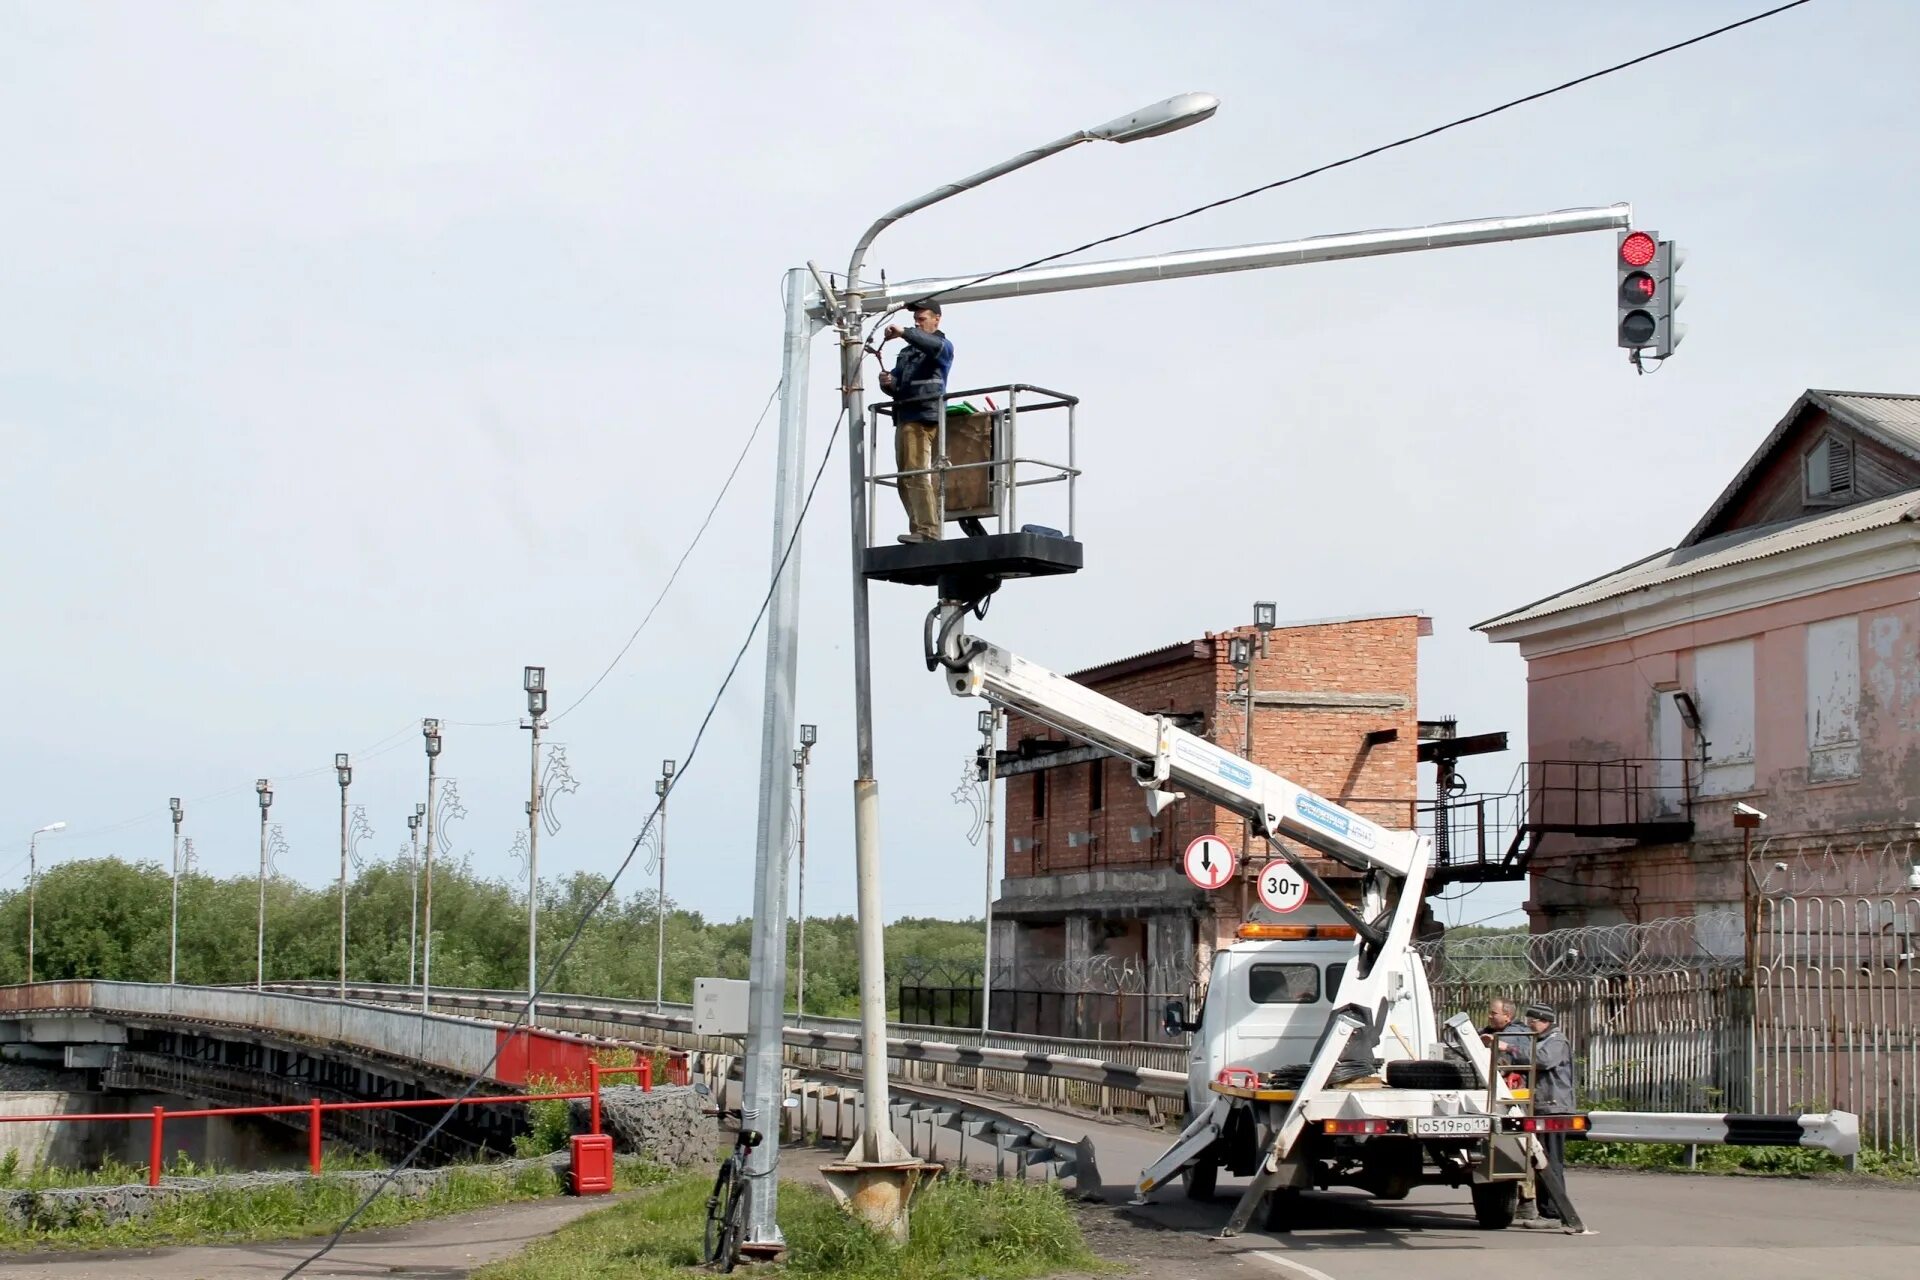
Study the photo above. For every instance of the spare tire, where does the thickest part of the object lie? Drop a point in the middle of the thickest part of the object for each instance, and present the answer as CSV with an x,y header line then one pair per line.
x,y
1428,1073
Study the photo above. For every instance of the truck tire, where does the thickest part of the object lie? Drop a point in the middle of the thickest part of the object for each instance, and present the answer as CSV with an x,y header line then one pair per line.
x,y
1202,1177
1283,1209
1494,1204
1427,1073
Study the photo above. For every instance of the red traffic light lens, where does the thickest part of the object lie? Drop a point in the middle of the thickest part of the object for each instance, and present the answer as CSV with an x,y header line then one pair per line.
x,y
1637,249
1637,289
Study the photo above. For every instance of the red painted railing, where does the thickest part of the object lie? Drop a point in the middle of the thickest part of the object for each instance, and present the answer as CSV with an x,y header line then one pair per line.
x,y
676,1072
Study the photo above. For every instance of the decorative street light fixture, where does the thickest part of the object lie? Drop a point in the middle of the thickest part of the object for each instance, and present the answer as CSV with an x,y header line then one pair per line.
x,y
802,754
534,681
173,927
430,733
33,875
343,770
264,790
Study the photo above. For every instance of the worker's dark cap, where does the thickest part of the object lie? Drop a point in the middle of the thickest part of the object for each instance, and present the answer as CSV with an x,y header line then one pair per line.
x,y
925,304
1543,1012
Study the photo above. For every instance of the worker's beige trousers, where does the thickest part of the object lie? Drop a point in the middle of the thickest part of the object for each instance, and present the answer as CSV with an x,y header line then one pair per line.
x,y
913,451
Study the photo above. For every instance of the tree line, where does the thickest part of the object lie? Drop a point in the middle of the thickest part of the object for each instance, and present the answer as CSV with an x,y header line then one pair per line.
x,y
108,919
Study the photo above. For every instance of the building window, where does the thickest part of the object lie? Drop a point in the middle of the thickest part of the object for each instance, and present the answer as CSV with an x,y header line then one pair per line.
x,y
1039,795
1096,786
1283,983
1723,675
1829,468
1833,699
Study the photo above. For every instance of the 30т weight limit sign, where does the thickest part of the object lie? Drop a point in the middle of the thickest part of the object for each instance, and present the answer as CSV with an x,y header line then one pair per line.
x,y
1281,887
1209,862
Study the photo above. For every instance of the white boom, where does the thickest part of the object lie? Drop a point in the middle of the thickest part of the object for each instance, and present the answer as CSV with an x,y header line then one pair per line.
x,y
1163,755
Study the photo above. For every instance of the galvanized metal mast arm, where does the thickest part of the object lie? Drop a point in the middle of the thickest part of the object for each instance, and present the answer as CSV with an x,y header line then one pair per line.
x,y
1166,756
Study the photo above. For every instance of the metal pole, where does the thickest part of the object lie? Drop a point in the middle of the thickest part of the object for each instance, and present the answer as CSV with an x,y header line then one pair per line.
x,y
800,999
761,1091
33,876
173,925
260,929
426,908
535,723
660,909
986,970
413,915
1252,257
343,892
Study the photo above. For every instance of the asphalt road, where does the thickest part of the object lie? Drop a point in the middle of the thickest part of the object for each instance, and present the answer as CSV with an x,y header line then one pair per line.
x,y
1652,1225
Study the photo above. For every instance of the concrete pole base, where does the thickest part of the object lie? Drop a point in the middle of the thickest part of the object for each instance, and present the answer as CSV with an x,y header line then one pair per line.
x,y
880,1189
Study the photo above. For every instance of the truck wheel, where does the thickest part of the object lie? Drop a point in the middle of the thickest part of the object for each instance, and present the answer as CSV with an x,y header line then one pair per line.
x,y
1283,1209
1427,1073
1201,1177
1494,1204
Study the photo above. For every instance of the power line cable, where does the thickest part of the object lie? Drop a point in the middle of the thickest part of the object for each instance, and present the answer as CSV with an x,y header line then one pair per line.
x,y
559,962
1358,156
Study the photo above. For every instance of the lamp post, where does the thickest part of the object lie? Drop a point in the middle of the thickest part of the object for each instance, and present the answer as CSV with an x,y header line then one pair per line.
x,y
173,926
534,681
989,722
430,732
413,874
661,788
33,875
802,754
264,790
877,1178
343,771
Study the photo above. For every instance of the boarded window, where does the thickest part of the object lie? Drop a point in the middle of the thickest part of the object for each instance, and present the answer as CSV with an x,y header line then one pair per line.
x,y
1723,675
1096,785
1830,468
1039,795
1283,983
1833,699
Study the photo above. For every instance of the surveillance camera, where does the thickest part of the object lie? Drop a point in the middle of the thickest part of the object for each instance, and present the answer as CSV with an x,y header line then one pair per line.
x,y
1748,811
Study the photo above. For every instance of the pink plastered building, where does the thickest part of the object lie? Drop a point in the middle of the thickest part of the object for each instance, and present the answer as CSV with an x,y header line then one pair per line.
x,y
1771,659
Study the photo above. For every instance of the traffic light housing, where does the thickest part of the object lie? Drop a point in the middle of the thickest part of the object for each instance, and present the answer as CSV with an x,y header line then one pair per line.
x,y
1646,294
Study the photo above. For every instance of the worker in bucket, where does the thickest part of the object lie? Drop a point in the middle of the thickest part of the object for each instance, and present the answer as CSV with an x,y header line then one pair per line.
x,y
918,385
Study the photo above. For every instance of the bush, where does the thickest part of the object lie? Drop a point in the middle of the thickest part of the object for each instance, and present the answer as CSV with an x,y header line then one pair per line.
x,y
550,1123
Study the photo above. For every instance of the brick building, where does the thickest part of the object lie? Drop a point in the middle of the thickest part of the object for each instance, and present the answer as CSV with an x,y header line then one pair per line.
x,y
1094,895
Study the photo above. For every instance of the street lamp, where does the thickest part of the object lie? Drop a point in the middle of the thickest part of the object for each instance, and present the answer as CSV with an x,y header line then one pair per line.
x,y
802,754
989,723
413,873
660,788
534,681
881,1166
430,734
173,927
263,789
343,771
33,874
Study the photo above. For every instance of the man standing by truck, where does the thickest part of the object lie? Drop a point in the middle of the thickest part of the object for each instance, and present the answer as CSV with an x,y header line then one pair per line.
x,y
1550,1054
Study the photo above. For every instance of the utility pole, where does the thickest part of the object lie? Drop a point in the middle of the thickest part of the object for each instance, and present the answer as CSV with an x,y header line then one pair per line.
x,y
173,927
660,789
430,732
1240,655
343,770
534,681
989,721
413,874
809,734
264,790
33,875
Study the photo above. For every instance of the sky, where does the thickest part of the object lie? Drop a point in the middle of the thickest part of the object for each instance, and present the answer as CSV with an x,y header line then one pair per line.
x,y
354,356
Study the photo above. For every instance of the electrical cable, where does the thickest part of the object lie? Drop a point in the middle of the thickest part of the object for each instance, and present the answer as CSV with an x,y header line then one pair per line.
x,y
1408,140
579,930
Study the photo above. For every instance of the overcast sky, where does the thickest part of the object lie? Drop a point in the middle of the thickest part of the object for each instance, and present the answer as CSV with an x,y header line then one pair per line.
x,y
353,356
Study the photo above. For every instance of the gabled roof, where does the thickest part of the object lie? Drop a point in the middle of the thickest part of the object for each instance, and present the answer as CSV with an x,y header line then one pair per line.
x,y
1890,418
1737,547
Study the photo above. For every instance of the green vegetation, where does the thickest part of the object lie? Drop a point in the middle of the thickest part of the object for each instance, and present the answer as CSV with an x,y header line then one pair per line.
x,y
1728,1159
117,1173
301,1207
104,918
997,1231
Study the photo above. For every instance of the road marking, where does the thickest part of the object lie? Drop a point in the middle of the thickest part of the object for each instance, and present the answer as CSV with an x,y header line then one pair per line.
x,y
1298,1268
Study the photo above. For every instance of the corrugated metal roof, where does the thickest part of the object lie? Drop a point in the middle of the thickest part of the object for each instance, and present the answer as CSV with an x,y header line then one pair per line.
x,y
1738,547
1892,418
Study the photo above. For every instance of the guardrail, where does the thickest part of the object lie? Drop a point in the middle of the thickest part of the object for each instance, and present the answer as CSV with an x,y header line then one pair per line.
x,y
1837,1132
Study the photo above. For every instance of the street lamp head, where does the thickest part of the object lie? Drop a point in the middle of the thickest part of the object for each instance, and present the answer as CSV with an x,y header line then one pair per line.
x,y
430,730
1264,614
985,720
809,734
51,826
173,807
666,768
420,810
533,678
1167,116
660,788
799,757
265,791
413,822
1240,652
536,702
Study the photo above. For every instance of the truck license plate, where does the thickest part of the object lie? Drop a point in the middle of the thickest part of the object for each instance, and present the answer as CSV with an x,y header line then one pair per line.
x,y
1451,1126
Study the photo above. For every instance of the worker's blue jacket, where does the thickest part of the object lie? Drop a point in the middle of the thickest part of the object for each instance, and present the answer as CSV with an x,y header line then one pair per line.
x,y
920,376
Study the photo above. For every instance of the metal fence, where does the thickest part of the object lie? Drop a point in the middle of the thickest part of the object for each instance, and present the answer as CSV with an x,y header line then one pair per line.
x,y
1101,998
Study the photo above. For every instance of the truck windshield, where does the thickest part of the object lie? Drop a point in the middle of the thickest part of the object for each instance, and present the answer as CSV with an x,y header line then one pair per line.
x,y
1283,983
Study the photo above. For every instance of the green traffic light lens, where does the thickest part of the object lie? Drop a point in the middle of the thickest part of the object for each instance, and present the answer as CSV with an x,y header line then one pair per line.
x,y
1636,328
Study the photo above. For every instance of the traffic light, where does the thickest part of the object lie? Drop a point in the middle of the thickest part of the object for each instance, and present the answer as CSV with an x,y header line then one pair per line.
x,y
1646,294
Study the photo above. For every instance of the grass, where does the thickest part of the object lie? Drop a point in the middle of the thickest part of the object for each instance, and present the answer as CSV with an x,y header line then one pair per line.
x,y
296,1208
960,1229
1779,1161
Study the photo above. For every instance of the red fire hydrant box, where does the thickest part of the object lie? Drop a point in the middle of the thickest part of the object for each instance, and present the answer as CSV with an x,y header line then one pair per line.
x,y
591,1170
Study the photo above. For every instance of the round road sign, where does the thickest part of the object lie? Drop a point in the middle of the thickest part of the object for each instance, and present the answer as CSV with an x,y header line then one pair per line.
x,y
1209,862
1281,887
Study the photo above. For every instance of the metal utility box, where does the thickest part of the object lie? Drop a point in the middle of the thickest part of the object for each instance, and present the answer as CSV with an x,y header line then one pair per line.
x,y
719,1007
590,1167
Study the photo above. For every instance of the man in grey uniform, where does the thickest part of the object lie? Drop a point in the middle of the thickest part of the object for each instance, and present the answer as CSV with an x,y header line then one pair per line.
x,y
1548,1051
